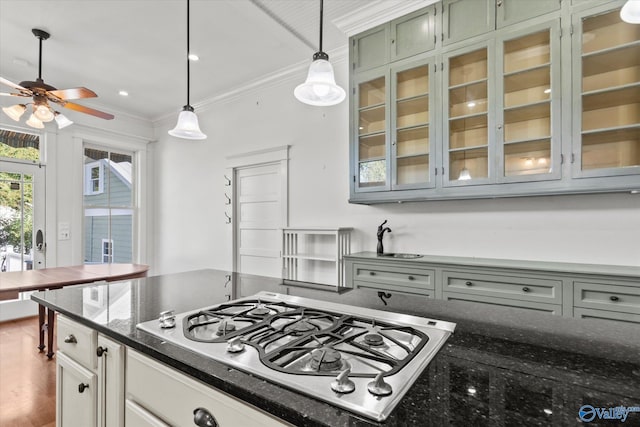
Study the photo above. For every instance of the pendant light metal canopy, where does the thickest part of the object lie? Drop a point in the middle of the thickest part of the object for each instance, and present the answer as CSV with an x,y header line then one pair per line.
x,y
187,126
320,88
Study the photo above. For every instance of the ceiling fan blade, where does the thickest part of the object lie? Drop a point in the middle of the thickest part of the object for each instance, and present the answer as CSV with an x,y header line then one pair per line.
x,y
13,94
23,91
87,110
73,93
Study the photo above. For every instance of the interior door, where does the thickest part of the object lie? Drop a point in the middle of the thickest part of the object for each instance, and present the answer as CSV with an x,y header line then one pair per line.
x,y
261,213
22,234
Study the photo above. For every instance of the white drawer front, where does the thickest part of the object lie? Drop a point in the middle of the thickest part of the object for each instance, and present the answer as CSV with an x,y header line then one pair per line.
x,y
605,296
78,342
394,276
137,416
492,301
173,397
515,287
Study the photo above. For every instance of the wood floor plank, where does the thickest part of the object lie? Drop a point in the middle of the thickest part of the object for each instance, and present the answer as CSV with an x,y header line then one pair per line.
x,y
27,377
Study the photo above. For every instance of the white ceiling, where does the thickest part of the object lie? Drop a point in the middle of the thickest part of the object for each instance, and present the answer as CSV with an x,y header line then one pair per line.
x,y
139,46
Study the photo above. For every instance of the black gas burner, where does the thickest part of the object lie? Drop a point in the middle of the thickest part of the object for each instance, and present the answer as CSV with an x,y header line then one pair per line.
x,y
225,327
374,340
326,359
260,310
299,327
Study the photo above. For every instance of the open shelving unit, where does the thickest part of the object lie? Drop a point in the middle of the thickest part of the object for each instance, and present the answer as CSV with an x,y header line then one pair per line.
x,y
315,254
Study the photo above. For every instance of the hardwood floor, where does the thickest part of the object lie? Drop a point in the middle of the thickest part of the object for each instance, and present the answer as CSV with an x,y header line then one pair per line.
x,y
27,377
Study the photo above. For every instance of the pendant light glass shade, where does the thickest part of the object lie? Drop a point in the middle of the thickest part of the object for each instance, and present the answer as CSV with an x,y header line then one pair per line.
x,y
187,126
34,122
43,112
630,12
62,120
464,174
15,111
320,88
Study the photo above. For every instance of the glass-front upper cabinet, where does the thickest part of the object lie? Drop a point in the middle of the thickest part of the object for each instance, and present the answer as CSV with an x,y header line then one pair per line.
x,y
372,154
606,96
528,117
412,131
468,137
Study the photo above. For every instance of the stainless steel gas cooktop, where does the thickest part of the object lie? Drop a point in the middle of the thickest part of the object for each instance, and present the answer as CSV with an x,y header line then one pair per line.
x,y
360,359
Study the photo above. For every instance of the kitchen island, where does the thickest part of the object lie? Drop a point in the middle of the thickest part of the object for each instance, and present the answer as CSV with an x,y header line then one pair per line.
x,y
500,367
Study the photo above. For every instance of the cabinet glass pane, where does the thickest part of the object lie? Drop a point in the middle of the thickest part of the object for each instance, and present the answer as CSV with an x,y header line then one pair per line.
x,y
371,147
468,164
469,132
611,108
372,120
412,141
530,122
606,31
412,82
412,35
413,170
527,158
527,52
372,174
611,149
468,99
527,87
412,112
610,93
468,68
372,92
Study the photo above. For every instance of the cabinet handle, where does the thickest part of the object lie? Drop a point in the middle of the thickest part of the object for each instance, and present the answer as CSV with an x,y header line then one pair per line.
x,y
411,278
203,418
372,273
82,387
101,350
71,339
499,3
614,298
468,283
525,289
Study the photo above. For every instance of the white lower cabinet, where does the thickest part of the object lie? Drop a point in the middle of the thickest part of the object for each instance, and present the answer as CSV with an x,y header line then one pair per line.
x,y
158,395
89,378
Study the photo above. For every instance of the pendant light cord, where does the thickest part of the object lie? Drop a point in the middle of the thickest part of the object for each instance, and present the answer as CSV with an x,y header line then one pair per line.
x,y
188,65
321,1
40,60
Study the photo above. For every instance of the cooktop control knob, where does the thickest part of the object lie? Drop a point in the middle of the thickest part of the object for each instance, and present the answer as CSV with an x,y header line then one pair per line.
x,y
167,319
235,345
379,387
342,383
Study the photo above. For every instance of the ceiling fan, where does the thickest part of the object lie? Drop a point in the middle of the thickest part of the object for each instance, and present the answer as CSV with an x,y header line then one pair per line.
x,y
44,94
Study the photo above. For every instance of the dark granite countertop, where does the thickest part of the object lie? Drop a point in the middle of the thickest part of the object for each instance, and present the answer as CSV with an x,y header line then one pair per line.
x,y
500,367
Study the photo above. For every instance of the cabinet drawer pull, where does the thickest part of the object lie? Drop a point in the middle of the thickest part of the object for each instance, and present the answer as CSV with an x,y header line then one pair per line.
x,y
614,298
71,339
82,387
411,278
468,283
525,289
372,273
203,418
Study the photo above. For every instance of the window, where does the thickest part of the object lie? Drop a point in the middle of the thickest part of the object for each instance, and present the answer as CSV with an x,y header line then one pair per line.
x,y
109,207
107,251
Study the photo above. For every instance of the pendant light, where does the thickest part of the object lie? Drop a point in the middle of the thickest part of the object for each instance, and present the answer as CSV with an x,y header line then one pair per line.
x,y
320,88
630,12
187,127
464,173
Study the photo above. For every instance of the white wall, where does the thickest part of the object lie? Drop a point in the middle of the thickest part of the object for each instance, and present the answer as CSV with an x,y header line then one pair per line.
x,y
190,228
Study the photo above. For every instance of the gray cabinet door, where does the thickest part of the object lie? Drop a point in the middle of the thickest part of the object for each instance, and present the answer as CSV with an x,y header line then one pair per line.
x,y
413,34
370,49
463,19
512,11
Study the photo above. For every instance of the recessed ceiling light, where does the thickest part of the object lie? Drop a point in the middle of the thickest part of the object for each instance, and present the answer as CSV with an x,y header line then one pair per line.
x,y
123,93
193,57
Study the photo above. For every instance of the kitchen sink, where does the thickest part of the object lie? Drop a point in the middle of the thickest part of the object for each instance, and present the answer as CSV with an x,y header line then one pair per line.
x,y
399,255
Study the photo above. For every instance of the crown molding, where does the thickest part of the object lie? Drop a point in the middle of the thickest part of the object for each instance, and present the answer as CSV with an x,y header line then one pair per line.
x,y
376,13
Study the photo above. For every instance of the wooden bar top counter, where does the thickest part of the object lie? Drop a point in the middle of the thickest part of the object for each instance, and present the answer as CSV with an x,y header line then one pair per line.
x,y
14,282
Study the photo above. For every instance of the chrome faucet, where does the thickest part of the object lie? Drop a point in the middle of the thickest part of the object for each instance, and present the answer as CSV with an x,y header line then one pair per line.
x,y
381,231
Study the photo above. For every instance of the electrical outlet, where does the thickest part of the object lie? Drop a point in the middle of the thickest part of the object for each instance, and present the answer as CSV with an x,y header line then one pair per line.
x,y
64,232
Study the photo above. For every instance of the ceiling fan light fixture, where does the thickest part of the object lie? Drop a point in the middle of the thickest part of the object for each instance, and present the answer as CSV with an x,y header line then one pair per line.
x,y
630,12
187,126
320,88
34,122
43,112
62,120
15,111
